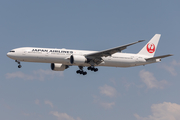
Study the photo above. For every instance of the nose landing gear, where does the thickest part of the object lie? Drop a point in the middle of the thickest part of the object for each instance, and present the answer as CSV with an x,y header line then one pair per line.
x,y
19,64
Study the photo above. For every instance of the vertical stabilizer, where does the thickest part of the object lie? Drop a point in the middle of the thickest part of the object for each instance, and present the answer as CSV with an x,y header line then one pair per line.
x,y
150,48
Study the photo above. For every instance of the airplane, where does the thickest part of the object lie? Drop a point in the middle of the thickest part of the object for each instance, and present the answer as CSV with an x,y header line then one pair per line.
x,y
62,59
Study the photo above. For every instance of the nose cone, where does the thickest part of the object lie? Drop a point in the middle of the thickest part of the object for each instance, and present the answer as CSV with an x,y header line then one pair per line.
x,y
11,54
8,54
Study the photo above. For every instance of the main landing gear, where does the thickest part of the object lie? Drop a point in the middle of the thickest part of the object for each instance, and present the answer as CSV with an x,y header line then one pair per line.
x,y
19,64
92,68
81,71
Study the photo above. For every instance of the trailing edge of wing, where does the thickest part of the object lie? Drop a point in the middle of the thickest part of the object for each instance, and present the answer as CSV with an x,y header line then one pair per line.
x,y
111,51
159,57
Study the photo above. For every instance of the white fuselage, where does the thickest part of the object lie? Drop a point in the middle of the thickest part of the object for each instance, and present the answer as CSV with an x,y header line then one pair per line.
x,y
48,55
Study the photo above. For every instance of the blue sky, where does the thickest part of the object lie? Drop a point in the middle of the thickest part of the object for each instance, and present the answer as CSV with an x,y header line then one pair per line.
x,y
140,93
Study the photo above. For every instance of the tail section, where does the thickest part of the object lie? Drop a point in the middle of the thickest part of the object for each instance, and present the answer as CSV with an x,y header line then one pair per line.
x,y
150,48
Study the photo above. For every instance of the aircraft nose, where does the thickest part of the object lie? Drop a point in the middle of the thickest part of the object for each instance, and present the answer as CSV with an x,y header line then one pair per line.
x,y
8,54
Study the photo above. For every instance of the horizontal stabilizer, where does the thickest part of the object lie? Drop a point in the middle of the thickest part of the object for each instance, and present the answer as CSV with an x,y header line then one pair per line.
x,y
159,57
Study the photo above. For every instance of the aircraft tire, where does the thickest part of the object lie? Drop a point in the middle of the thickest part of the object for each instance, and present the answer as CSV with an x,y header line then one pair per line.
x,y
81,72
95,70
89,68
84,73
78,71
19,66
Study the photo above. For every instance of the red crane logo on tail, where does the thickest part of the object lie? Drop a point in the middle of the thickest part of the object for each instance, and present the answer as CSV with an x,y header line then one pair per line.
x,y
151,47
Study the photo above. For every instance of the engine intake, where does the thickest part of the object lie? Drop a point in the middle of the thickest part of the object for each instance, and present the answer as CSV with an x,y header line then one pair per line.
x,y
58,67
77,59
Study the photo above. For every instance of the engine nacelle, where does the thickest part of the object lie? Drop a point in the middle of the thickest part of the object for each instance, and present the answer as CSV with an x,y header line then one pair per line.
x,y
58,67
77,59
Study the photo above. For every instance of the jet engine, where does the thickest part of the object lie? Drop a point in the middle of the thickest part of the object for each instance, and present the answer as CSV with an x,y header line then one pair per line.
x,y
58,67
77,59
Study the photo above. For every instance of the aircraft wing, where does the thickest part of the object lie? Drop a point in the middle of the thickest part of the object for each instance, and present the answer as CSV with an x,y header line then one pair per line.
x,y
109,52
159,57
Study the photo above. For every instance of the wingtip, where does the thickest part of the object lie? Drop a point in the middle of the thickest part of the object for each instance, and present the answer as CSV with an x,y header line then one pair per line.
x,y
158,34
141,40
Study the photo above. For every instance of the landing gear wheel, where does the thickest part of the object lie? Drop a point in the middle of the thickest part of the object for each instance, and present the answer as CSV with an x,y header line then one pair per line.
x,y
89,68
19,66
95,70
78,71
81,72
92,68
84,73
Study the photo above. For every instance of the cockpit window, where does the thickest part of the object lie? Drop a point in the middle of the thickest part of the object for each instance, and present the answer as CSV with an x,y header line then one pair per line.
x,y
12,51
